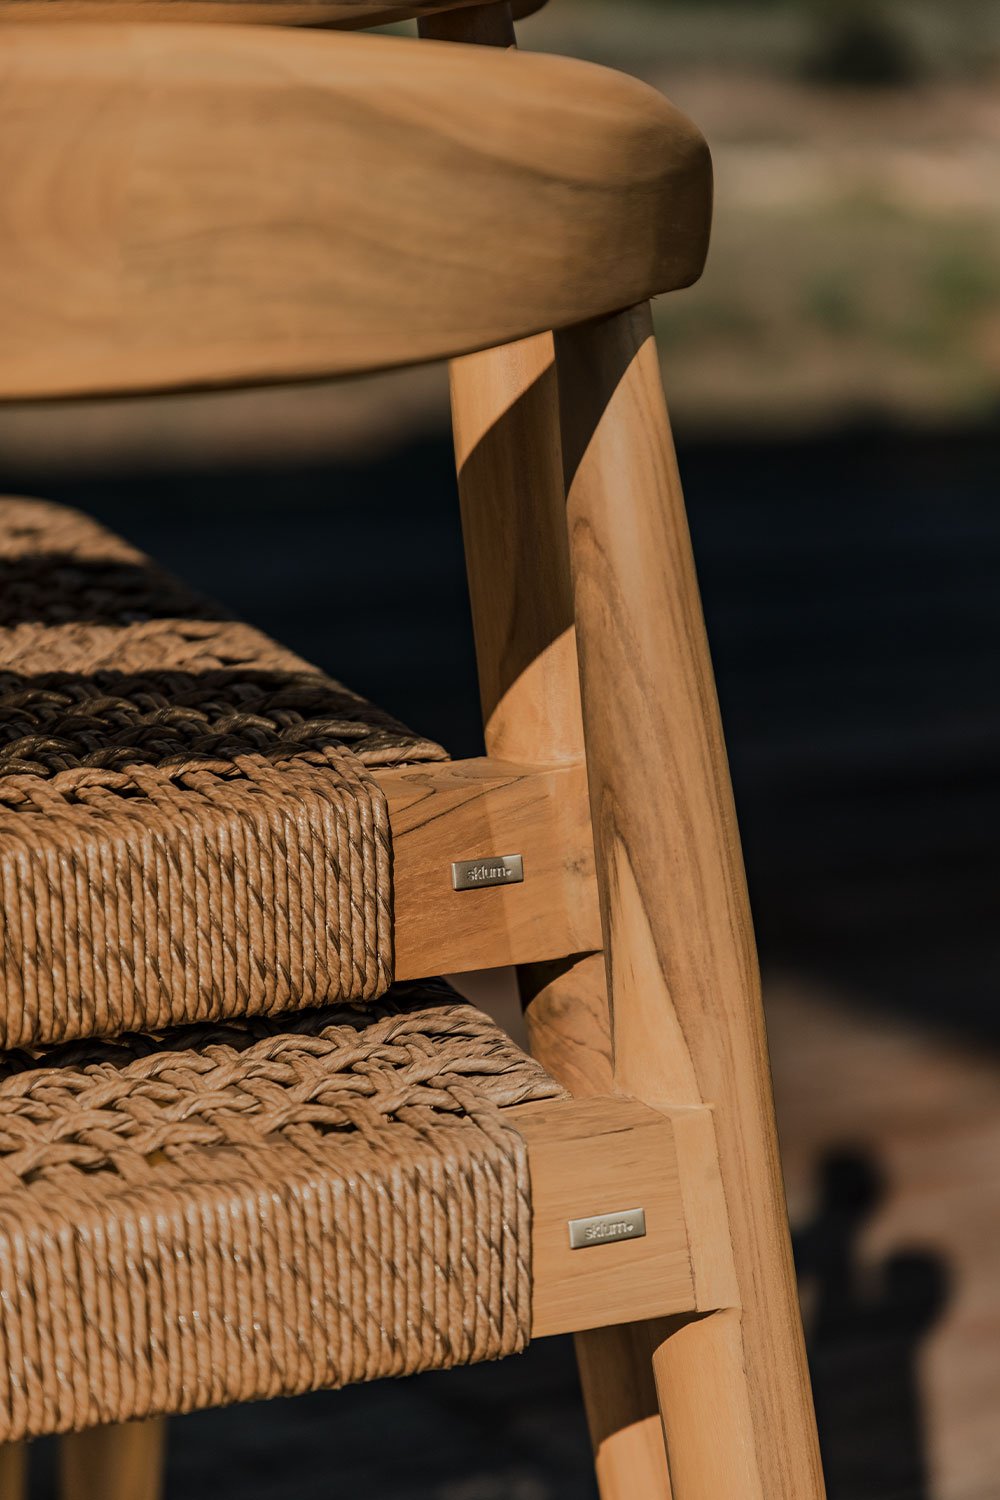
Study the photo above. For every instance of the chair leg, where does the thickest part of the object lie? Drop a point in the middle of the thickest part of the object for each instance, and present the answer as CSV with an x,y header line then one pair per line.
x,y
619,1393
14,1471
123,1462
685,1001
566,1009
505,410
506,415
704,1400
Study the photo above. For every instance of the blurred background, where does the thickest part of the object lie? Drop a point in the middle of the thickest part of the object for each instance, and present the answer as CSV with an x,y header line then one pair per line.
x,y
835,386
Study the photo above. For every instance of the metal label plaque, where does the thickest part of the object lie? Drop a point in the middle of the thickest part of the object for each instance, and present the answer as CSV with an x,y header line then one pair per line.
x,y
605,1229
491,869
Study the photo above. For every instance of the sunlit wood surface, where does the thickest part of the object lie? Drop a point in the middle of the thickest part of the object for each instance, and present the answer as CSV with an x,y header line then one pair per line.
x,y
190,132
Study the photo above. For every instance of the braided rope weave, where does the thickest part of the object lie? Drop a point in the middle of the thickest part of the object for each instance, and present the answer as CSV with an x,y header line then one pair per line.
x,y
260,1208
188,826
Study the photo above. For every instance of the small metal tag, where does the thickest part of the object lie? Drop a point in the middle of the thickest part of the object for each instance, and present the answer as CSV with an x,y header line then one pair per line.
x,y
605,1229
492,869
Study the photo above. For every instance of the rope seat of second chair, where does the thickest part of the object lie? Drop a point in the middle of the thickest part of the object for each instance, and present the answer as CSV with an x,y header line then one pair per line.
x,y
260,1208
189,827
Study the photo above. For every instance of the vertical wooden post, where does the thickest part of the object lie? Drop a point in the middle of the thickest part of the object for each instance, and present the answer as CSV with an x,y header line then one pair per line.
x,y
506,418
505,409
121,1462
13,1471
622,1413
687,1021
505,412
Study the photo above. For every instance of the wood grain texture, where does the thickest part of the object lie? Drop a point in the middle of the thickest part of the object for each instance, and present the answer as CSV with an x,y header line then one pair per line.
x,y
686,1015
348,15
705,1212
210,206
122,1462
505,413
622,1409
459,810
708,1417
594,1156
509,455
566,1013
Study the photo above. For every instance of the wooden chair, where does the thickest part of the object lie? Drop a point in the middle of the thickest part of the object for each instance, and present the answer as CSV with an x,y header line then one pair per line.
x,y
187,207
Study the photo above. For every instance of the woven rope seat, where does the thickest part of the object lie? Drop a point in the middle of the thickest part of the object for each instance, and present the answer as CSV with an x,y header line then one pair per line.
x,y
188,824
261,1207
234,1163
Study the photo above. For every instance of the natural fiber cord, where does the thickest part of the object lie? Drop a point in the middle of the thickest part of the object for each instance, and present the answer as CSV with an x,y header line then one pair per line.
x,y
239,1208
188,827
225,1213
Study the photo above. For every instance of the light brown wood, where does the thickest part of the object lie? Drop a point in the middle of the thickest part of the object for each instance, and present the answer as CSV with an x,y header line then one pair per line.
x,y
566,1010
123,1462
686,1016
505,412
509,456
206,205
622,1412
595,1156
602,1154
14,1471
708,1419
685,1024
566,1013
712,1263
345,14
461,810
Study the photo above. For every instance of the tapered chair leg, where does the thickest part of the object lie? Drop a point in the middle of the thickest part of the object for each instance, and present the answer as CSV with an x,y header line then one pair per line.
x,y
685,999
124,1462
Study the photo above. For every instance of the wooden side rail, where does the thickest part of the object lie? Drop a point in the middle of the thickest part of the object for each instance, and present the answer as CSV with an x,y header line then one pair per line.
x,y
607,1156
472,810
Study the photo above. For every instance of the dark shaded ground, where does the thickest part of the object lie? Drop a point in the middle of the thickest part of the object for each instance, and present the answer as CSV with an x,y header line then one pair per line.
x,y
865,1332
852,588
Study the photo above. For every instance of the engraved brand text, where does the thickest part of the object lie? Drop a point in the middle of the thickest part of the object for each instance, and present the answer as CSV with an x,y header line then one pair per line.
x,y
491,869
604,1229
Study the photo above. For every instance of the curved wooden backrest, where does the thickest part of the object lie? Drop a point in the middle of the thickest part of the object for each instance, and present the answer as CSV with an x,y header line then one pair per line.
x,y
346,14
186,206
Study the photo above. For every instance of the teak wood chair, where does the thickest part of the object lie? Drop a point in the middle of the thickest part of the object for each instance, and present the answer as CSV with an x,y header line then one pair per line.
x,y
196,826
